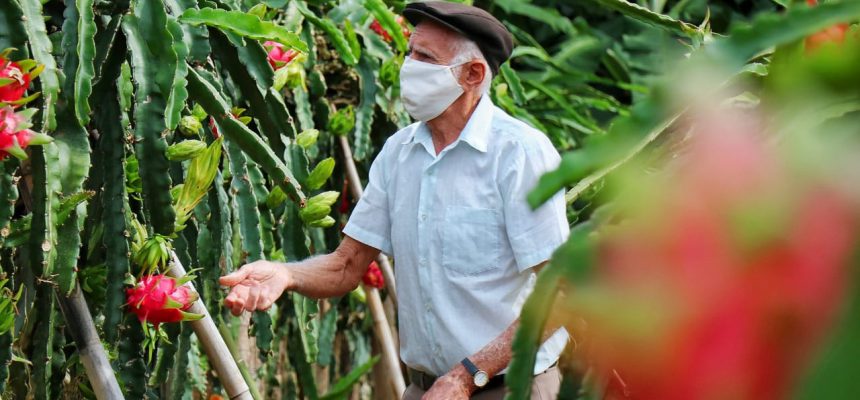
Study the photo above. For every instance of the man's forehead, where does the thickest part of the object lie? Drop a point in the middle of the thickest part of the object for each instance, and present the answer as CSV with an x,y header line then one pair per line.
x,y
432,37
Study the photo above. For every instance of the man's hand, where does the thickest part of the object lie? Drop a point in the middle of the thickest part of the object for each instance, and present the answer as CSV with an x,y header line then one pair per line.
x,y
455,385
255,286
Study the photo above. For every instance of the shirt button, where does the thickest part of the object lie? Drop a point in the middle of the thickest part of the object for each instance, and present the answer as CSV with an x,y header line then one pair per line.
x,y
423,217
427,306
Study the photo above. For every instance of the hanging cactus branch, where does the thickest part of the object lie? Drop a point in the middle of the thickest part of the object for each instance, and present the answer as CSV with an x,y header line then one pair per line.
x,y
206,95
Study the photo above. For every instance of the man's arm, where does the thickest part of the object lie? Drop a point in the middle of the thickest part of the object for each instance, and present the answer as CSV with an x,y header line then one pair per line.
x,y
257,285
492,359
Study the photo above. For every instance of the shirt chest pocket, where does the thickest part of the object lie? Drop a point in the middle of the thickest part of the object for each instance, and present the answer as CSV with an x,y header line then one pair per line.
x,y
471,240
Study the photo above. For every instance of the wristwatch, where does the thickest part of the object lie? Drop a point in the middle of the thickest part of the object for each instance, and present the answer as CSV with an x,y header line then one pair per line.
x,y
480,378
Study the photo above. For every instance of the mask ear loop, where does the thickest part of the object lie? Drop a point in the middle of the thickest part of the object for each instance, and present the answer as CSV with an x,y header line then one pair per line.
x,y
451,68
461,63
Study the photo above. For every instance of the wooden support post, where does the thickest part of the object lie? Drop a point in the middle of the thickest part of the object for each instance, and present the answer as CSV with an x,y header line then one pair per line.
x,y
383,332
216,349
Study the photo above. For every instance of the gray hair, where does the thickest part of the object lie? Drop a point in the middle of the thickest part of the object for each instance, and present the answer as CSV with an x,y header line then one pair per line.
x,y
466,50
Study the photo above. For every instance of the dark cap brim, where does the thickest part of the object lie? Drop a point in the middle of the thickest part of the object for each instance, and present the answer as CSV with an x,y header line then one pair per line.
x,y
416,16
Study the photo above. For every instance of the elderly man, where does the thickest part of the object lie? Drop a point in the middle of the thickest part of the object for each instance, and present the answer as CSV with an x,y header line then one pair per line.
x,y
446,198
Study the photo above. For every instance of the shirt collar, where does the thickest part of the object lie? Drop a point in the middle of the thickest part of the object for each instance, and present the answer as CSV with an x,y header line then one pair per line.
x,y
476,132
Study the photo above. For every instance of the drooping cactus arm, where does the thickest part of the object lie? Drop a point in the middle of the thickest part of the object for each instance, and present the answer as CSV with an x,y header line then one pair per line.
x,y
250,143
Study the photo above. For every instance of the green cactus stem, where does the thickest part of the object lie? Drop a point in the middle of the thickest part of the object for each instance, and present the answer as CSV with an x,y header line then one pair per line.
x,y
338,39
179,373
114,203
178,93
5,358
86,52
214,104
41,47
364,114
196,38
8,196
154,63
130,364
243,24
240,62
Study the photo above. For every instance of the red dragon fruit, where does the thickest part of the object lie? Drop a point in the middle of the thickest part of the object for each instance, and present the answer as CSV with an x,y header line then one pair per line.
x,y
236,113
725,274
159,299
278,57
13,81
15,134
377,27
373,277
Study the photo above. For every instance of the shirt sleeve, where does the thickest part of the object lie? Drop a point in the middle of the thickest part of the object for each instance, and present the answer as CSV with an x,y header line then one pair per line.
x,y
533,234
370,221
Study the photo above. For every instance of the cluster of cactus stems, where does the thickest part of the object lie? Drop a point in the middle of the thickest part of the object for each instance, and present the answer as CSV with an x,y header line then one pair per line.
x,y
148,156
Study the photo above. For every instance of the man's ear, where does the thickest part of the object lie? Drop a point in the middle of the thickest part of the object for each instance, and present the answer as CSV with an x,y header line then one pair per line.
x,y
473,74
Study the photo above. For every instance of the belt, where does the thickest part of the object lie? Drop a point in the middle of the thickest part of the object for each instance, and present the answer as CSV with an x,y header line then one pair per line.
x,y
424,381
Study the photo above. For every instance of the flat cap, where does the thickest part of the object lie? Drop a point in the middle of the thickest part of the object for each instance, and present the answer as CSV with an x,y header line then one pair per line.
x,y
486,31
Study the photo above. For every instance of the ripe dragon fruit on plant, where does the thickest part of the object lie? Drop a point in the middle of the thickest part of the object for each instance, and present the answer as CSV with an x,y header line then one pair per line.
x,y
159,299
18,81
377,27
15,134
15,78
236,113
278,58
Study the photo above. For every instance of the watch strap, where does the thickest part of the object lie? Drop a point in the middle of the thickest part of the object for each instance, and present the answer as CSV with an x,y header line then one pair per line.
x,y
470,366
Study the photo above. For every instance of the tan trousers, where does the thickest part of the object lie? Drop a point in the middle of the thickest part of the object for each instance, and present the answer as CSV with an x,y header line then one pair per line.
x,y
545,386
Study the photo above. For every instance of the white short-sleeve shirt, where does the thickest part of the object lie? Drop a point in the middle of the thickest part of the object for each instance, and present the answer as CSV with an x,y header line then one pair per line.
x,y
461,233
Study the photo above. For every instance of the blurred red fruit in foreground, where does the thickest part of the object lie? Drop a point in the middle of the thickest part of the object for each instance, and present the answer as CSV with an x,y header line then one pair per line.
x,y
158,299
373,277
19,81
725,276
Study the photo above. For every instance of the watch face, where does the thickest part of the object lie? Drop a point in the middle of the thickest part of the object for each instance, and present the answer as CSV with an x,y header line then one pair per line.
x,y
481,379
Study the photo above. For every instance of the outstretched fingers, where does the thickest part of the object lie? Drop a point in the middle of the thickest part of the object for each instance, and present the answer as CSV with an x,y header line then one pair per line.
x,y
235,277
236,299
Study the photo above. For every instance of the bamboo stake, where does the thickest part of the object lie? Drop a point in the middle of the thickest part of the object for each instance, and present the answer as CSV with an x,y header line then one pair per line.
x,y
357,191
243,366
386,340
216,349
80,324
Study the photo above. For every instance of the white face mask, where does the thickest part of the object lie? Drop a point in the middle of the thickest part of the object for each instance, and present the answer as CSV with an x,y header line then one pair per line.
x,y
427,89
